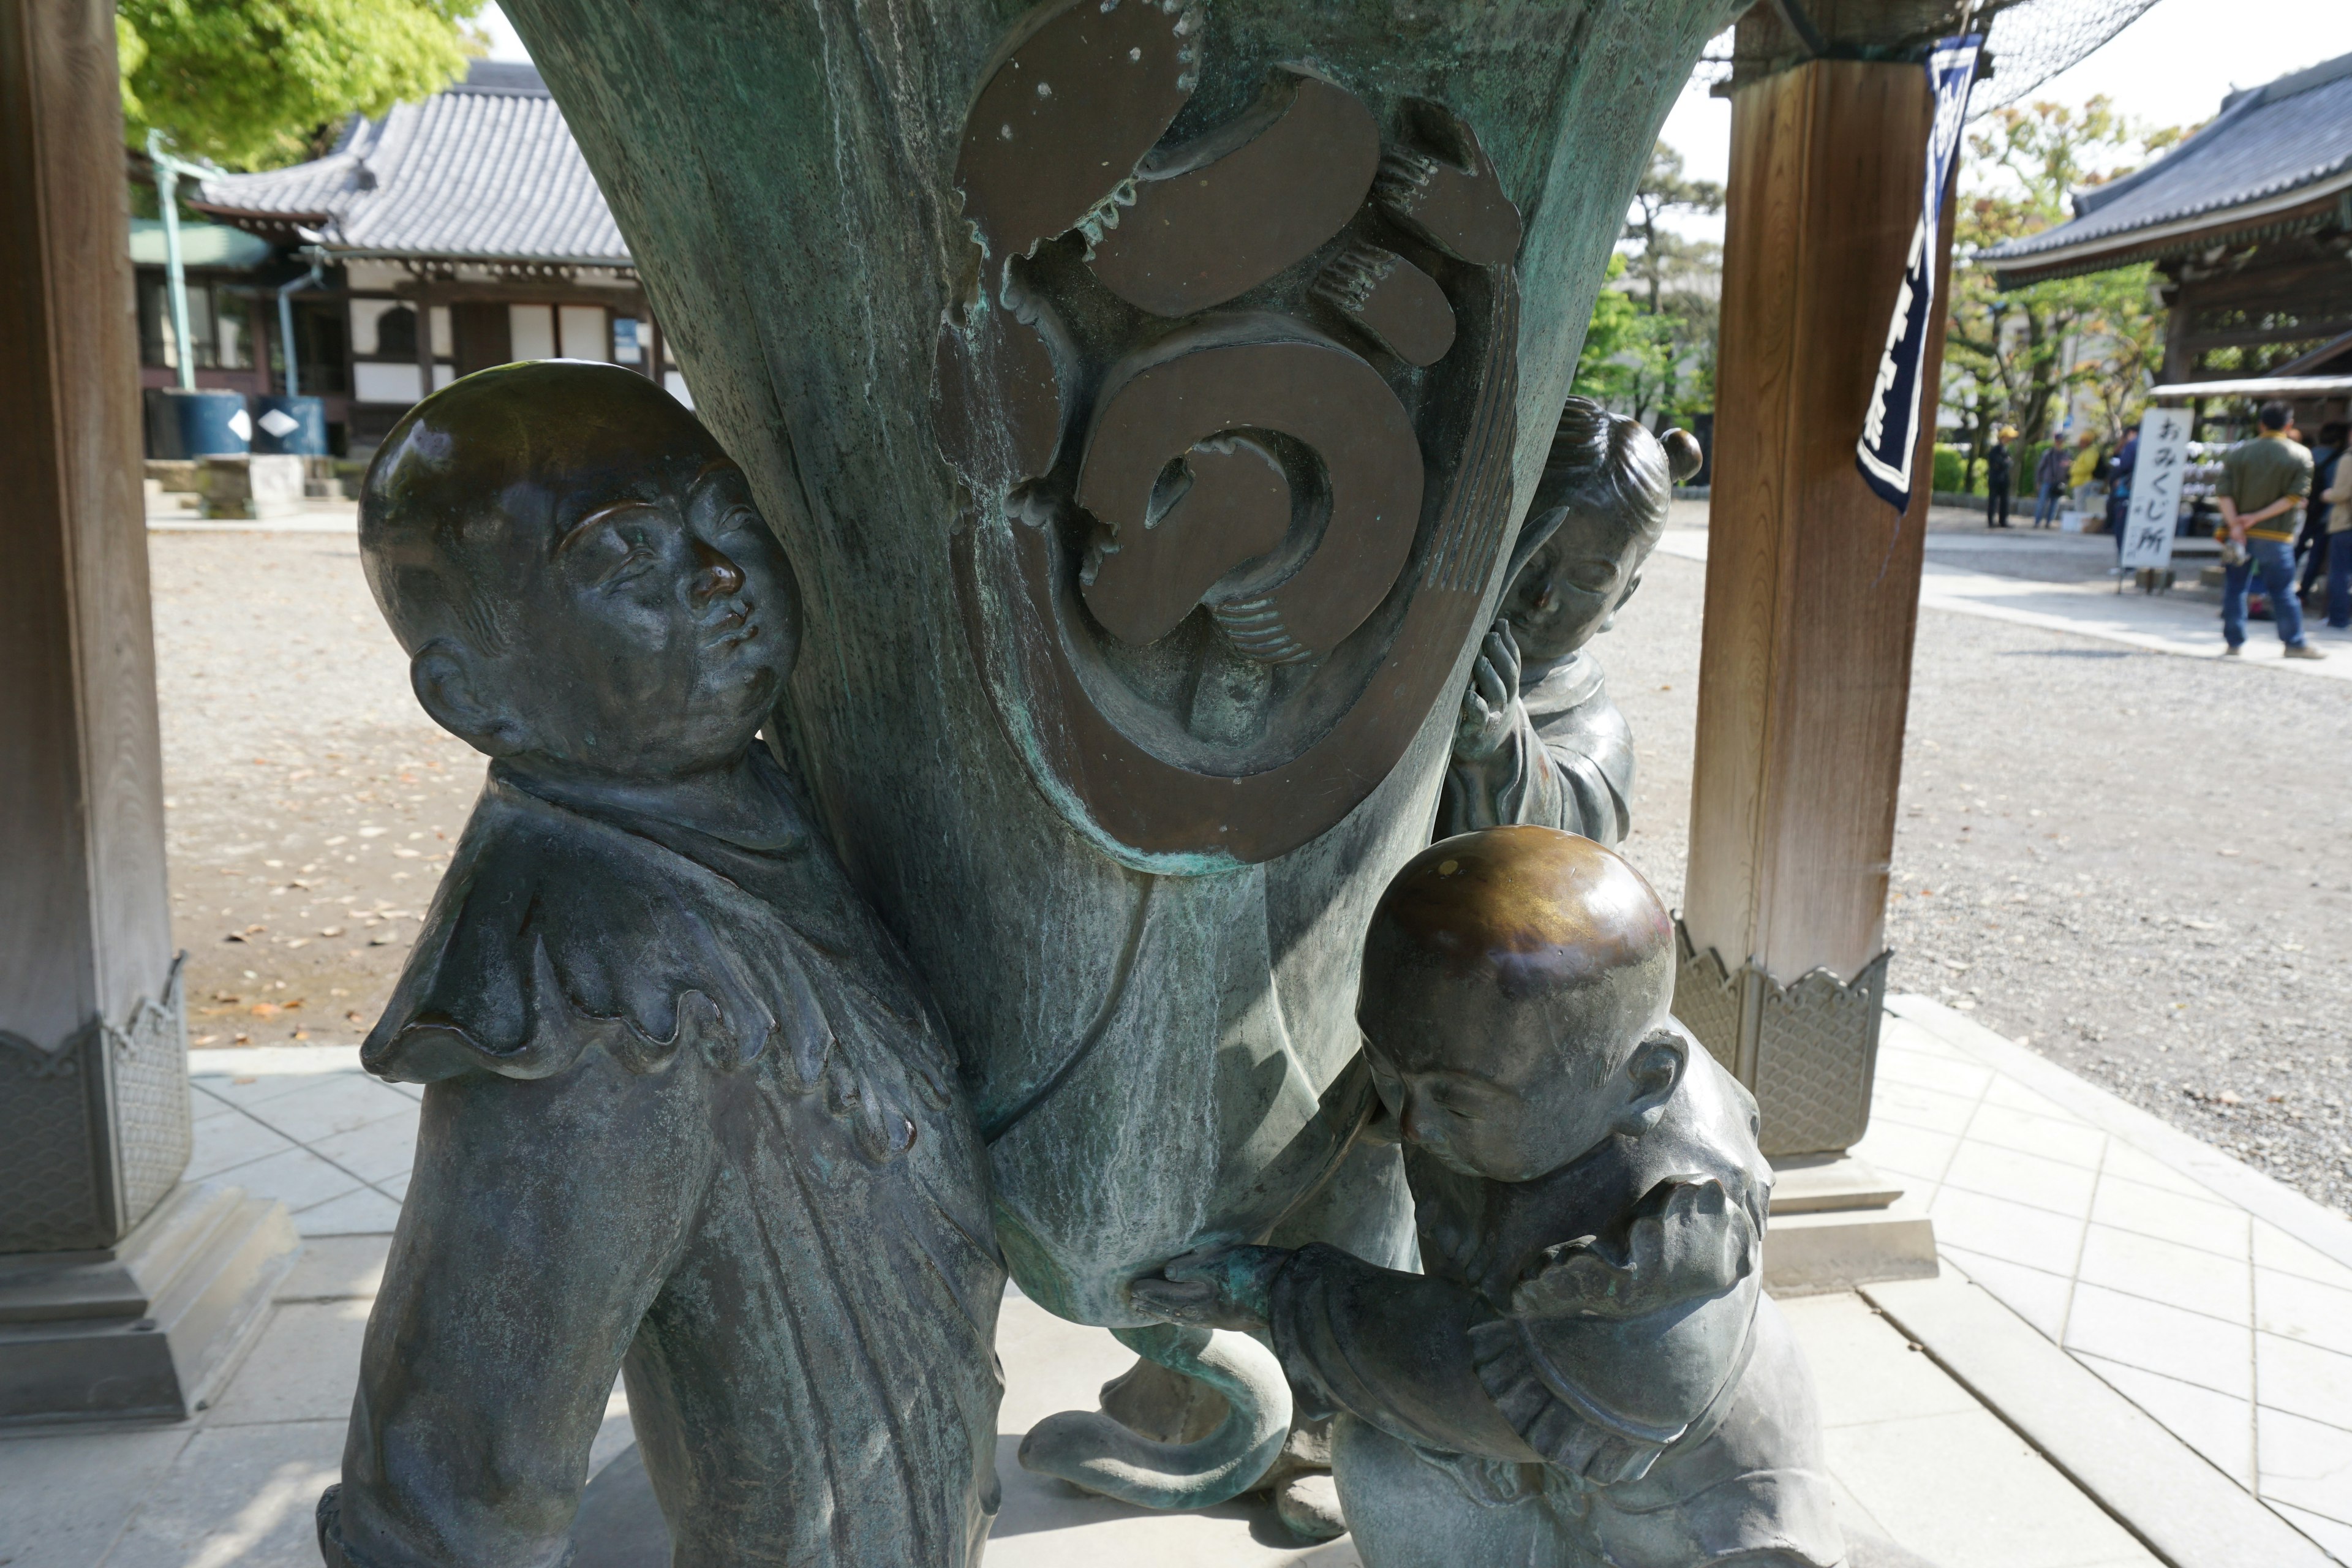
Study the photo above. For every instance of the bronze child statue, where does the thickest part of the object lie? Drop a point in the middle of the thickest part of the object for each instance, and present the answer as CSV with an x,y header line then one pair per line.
x,y
1589,1372
687,1114
1539,740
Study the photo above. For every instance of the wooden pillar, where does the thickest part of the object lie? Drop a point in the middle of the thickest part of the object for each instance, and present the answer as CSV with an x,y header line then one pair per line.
x,y
1812,599
121,1290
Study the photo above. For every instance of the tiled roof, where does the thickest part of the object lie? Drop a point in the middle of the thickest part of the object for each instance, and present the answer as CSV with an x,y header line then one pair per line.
x,y
201,245
485,169
2270,148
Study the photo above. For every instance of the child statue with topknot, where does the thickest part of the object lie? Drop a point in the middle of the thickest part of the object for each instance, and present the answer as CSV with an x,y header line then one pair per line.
x,y
1539,739
1588,1374
687,1116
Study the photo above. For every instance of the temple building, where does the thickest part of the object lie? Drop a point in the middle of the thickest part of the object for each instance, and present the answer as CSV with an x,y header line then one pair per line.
x,y
2249,223
454,234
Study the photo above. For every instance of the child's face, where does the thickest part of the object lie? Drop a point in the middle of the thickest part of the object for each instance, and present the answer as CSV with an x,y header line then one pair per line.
x,y
653,620
1573,586
1512,1089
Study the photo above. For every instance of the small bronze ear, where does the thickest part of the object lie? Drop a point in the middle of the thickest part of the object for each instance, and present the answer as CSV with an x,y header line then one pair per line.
x,y
1684,457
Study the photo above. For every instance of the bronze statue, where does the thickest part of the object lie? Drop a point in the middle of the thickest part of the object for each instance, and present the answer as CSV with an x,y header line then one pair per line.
x,y
1539,740
688,1115
1588,1371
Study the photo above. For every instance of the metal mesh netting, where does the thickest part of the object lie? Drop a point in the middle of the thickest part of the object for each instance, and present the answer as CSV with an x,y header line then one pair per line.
x,y
2030,41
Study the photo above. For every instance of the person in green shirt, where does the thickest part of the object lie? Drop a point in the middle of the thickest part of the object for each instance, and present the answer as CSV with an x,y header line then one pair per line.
x,y
2263,486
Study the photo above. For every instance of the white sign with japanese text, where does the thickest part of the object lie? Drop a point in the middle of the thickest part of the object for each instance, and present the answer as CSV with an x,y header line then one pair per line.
x,y
2156,488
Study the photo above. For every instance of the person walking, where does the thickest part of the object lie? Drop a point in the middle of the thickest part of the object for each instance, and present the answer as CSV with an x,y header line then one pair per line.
x,y
1997,478
2119,490
2263,482
2313,547
2049,485
2339,548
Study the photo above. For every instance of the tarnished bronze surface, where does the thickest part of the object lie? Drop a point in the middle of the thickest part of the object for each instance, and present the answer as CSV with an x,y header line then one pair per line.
x,y
1254,371
1225,213
1081,94
1388,297
1213,575
1443,188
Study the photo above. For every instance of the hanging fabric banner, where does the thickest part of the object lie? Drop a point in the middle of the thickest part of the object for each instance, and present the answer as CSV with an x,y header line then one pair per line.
x,y
1890,435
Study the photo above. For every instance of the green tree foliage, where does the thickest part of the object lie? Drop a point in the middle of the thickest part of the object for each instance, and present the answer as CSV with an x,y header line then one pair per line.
x,y
1649,351
253,84
2094,342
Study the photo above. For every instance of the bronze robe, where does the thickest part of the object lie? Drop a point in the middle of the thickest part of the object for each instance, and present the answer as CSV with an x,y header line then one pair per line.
x,y
688,1117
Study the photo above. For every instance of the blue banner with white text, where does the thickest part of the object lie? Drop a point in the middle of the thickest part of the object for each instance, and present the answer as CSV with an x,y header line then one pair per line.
x,y
1890,433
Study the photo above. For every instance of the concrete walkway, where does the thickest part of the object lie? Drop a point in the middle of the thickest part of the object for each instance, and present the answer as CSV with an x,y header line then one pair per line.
x,y
2011,1158
1963,573
2216,1300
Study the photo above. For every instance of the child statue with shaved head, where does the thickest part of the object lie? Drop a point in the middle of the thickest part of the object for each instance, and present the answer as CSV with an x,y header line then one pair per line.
x,y
687,1115
1539,739
1588,1373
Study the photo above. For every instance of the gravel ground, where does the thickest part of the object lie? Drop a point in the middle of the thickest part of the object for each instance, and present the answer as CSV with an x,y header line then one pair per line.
x,y
2139,865
308,803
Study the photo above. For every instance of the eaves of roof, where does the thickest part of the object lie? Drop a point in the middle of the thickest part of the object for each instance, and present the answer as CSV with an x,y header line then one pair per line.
x,y
2272,154
2310,207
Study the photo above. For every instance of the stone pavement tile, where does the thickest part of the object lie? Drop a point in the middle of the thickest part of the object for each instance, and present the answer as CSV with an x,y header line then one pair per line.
x,y
1999,1227
2214,1228
273,1061
1864,1370
2008,1094
2128,1162
1949,1075
2166,1271
336,1268
236,1497
394,1187
2039,1298
2217,1426
229,1140
2305,1463
2303,1310
2021,1178
246,1088
1047,1523
62,1497
2303,1380
363,1211
1928,1108
1898,1151
1970,1493
2274,1248
298,1177
1899,1035
2332,1534
2051,1137
2158,1337
303,1368
336,1103
376,1152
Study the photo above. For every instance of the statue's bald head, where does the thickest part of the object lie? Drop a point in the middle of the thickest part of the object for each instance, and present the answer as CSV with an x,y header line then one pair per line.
x,y
1527,909
480,470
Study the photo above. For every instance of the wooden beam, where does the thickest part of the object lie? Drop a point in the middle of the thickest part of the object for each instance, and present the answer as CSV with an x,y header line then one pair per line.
x,y
1812,581
85,923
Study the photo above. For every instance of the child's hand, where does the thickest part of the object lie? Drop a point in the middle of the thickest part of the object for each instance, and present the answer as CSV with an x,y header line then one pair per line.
x,y
1693,1242
1489,702
1216,1288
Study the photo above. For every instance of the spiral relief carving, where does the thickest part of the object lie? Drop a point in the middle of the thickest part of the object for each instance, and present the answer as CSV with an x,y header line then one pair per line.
x,y
1222,397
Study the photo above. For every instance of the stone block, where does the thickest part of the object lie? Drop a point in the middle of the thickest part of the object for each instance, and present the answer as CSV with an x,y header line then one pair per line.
x,y
1838,1249
257,488
149,1327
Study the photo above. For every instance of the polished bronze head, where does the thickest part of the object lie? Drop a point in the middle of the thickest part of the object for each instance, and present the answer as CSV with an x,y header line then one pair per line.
x,y
1510,978
1529,910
